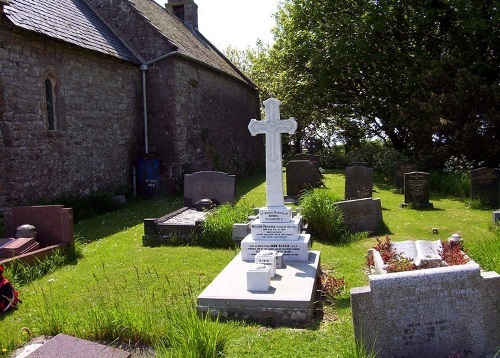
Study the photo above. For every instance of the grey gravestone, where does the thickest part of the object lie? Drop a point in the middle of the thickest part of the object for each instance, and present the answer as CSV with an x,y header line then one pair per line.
x,y
300,176
313,158
362,214
217,186
496,216
416,190
358,182
358,164
484,184
429,313
399,173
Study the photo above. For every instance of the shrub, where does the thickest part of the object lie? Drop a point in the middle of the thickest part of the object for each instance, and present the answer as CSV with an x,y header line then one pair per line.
x,y
325,219
218,226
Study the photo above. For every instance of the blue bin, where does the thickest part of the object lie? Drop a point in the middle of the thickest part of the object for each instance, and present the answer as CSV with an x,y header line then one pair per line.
x,y
148,177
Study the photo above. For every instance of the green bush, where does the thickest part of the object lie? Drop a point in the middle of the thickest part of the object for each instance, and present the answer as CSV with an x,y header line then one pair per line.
x,y
218,226
325,219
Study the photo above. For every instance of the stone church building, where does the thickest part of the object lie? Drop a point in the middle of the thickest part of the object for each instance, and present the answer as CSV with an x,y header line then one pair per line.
x,y
91,88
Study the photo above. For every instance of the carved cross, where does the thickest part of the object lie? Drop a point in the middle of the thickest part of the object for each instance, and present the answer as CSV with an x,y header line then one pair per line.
x,y
273,127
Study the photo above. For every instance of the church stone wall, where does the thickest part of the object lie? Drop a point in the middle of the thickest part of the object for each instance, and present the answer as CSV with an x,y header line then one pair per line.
x,y
97,101
201,121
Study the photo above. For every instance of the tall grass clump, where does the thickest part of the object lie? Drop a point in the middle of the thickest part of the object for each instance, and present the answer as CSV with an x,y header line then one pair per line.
x,y
20,273
486,252
325,219
218,226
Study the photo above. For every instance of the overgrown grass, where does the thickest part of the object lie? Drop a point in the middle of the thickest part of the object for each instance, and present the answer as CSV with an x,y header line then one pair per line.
x,y
218,226
122,291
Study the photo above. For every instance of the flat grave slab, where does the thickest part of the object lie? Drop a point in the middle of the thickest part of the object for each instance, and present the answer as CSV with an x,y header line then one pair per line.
x,y
64,346
289,301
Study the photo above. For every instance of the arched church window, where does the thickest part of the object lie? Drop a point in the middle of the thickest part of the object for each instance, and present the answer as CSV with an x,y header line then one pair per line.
x,y
50,104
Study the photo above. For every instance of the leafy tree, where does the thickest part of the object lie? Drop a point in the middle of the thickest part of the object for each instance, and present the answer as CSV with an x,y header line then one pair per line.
x,y
421,75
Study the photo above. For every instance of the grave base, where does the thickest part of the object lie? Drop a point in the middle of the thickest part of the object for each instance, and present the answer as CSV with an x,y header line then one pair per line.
x,y
418,205
288,302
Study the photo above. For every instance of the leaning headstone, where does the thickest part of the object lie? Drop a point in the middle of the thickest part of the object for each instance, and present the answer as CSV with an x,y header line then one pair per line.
x,y
217,186
300,176
362,215
416,190
399,173
358,182
437,312
485,185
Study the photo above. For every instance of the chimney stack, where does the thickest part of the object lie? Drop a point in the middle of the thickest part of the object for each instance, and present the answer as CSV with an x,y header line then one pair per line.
x,y
2,3
185,10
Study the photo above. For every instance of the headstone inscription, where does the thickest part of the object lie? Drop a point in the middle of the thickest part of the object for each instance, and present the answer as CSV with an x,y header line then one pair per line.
x,y
358,182
362,215
275,229
399,172
416,190
485,185
217,186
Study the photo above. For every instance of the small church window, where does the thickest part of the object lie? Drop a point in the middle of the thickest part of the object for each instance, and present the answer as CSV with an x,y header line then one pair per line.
x,y
50,105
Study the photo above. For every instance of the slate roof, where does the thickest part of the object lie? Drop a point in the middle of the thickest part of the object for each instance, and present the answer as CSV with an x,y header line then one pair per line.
x,y
192,44
75,22
69,20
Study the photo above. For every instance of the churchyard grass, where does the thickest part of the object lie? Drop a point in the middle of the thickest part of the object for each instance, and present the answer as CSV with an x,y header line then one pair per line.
x,y
120,290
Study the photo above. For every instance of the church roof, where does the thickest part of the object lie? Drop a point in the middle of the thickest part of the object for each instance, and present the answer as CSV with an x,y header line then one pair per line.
x,y
75,22
189,42
69,20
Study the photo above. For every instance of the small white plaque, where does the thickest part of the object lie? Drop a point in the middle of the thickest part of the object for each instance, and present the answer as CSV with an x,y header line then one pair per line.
x,y
275,214
258,278
268,258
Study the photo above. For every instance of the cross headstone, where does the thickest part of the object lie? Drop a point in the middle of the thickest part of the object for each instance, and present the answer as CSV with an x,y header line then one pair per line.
x,y
272,126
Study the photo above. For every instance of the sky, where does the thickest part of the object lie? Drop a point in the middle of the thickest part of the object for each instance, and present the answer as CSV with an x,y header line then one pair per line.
x,y
236,23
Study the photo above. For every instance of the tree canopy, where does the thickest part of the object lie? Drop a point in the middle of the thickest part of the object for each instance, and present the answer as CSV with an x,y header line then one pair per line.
x,y
421,75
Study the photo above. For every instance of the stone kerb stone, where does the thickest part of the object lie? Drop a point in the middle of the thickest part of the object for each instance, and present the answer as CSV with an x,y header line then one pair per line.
x,y
362,214
429,313
416,190
217,186
358,182
485,185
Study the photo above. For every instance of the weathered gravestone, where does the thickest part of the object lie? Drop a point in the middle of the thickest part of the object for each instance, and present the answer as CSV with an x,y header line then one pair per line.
x,y
399,173
485,185
358,164
416,190
217,186
178,226
358,182
300,176
313,158
362,214
437,312
243,291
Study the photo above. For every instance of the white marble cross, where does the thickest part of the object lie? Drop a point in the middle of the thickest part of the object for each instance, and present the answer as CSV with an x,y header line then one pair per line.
x,y
273,127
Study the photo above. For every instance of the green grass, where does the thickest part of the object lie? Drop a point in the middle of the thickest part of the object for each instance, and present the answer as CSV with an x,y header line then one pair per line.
x,y
120,290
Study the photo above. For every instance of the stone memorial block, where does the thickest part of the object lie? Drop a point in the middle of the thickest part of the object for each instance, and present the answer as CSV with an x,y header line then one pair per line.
x,y
496,216
362,214
217,186
429,313
18,247
416,190
485,185
53,223
358,182
399,173
267,258
301,175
